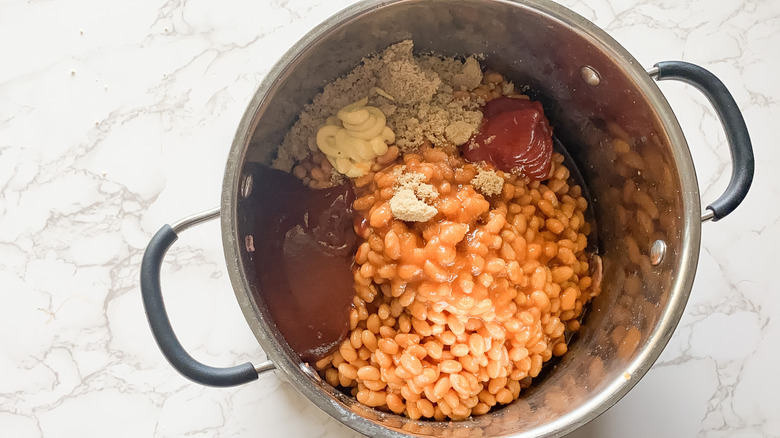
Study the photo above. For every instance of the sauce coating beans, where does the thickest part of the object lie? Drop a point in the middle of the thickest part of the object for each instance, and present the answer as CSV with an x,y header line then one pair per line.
x,y
457,314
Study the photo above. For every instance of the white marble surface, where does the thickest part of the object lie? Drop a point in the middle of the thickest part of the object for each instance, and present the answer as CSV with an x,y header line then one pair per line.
x,y
116,117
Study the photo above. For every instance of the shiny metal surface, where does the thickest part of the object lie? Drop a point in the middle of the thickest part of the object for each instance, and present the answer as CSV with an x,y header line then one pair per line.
x,y
264,367
657,252
590,75
195,219
623,136
653,72
246,186
309,371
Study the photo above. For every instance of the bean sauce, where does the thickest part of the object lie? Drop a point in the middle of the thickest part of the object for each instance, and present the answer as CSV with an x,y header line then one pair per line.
x,y
304,250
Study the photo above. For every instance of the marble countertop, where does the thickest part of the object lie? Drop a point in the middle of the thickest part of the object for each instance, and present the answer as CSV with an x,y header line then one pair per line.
x,y
116,117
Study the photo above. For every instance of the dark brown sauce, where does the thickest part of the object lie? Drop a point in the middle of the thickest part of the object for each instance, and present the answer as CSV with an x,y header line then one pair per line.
x,y
304,250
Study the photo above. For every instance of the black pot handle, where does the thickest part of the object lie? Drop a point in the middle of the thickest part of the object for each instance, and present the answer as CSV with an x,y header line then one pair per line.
x,y
161,326
742,161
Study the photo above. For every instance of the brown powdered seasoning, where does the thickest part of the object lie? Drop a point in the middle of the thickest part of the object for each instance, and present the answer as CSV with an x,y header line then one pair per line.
x,y
422,107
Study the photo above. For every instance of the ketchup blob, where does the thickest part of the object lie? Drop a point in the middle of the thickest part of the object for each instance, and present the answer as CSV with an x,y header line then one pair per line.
x,y
515,137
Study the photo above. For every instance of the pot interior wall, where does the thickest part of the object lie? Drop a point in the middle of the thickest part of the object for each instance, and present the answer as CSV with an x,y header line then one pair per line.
x,y
613,133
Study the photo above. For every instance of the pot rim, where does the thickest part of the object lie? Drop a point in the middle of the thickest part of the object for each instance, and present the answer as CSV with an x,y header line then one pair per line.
x,y
298,373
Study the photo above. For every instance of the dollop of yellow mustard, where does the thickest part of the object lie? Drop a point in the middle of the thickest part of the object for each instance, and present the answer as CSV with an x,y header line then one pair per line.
x,y
355,138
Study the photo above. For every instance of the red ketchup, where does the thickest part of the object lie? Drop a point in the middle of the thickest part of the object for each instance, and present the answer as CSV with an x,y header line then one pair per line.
x,y
515,137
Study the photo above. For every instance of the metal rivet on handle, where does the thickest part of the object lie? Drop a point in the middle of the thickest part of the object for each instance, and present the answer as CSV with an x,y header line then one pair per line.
x,y
246,186
309,371
590,75
657,252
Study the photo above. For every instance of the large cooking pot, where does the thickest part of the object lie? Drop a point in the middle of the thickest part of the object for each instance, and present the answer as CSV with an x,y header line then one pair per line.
x,y
613,121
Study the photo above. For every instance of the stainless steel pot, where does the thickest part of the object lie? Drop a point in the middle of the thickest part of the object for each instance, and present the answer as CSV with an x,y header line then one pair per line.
x,y
613,120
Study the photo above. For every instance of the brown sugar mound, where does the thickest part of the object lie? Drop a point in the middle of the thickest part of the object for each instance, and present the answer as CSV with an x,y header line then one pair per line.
x,y
422,107
415,181
407,207
459,132
412,193
488,182
470,77
404,80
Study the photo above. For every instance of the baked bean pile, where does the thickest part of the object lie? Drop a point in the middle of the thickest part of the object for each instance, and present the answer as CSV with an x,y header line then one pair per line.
x,y
455,315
